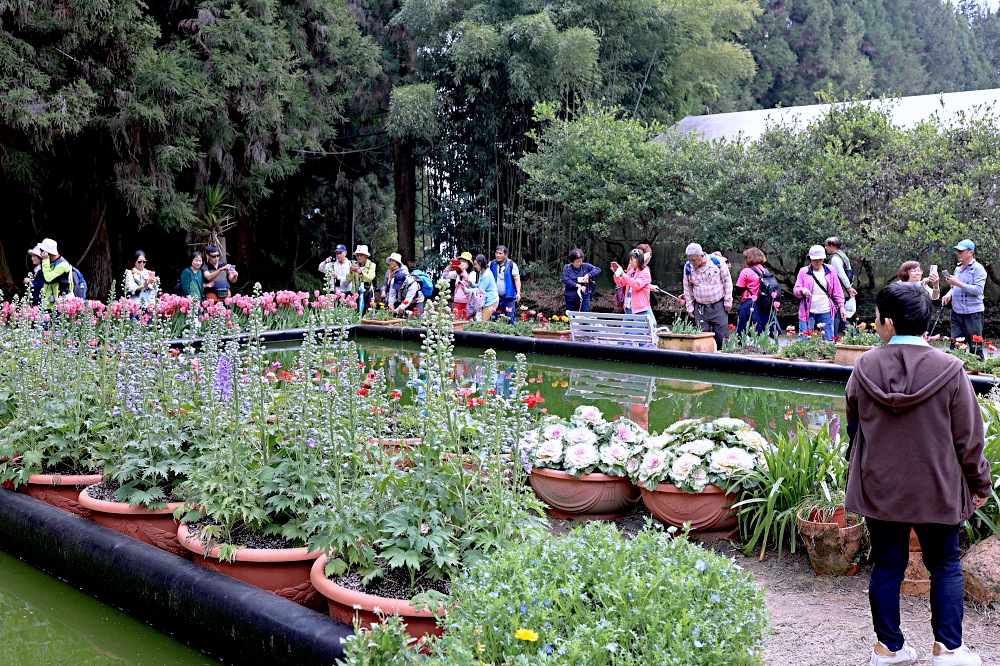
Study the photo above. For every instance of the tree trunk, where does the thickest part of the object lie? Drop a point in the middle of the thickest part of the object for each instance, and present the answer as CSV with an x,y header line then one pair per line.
x,y
6,279
405,182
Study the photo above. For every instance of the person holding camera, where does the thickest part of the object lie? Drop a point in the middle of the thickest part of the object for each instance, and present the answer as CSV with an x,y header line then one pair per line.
x,y
968,285
363,277
140,282
341,268
35,279
465,279
221,277
56,272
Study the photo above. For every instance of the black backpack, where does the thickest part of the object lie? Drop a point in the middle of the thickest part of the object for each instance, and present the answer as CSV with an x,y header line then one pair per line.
x,y
770,290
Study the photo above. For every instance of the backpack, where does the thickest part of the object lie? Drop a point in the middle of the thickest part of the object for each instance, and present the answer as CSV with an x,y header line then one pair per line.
x,y
770,290
848,271
79,284
688,267
619,297
426,284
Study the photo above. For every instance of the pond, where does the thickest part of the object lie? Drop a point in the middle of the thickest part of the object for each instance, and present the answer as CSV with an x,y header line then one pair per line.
x,y
46,621
652,396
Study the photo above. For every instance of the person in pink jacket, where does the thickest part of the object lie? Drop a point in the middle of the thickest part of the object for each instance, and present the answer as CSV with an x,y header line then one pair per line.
x,y
822,296
636,280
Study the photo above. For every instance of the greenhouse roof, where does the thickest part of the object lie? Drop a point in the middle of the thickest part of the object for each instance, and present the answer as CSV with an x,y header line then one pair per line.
x,y
904,111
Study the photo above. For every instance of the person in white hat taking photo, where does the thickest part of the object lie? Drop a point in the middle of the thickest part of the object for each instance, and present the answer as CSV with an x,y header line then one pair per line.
x,y
968,285
396,265
363,277
35,279
56,272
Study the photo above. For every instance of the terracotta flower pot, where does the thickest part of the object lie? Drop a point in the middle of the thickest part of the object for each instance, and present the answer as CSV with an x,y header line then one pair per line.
x,y
707,511
156,527
381,322
838,516
696,342
588,497
60,490
833,551
848,354
548,334
283,571
346,605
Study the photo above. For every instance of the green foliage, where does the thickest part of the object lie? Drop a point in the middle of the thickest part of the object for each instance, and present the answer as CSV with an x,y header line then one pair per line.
x,y
519,328
860,334
796,466
986,520
809,347
593,597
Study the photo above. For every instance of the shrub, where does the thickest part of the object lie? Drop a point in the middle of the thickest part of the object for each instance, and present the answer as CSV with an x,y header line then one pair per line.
x,y
593,597
986,520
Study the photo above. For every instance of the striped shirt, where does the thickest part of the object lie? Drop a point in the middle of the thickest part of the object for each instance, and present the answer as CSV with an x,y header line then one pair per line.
x,y
709,284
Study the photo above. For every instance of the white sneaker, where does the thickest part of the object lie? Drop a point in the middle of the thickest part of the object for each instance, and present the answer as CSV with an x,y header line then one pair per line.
x,y
960,656
883,656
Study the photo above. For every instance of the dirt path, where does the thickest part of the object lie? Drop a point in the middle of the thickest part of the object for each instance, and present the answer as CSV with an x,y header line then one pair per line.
x,y
826,621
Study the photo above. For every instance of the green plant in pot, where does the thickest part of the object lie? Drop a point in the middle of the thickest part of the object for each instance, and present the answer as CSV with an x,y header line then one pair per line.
x,y
794,467
835,548
750,342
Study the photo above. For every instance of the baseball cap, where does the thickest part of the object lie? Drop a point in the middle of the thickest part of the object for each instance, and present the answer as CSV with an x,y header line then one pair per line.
x,y
817,252
965,245
340,248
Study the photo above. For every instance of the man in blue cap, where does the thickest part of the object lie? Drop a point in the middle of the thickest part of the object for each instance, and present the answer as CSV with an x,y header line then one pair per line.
x,y
341,268
966,298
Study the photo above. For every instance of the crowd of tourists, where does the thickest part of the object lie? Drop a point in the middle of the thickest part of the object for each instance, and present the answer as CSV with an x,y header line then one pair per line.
x,y
491,289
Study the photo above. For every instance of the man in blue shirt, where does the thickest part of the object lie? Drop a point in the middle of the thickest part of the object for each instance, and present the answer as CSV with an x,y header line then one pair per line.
x,y
508,280
966,298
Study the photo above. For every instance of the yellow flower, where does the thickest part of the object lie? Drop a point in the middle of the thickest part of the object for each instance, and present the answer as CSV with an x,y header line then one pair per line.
x,y
526,635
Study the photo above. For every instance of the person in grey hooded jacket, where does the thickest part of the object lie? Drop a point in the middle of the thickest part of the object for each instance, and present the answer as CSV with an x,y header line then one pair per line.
x,y
916,460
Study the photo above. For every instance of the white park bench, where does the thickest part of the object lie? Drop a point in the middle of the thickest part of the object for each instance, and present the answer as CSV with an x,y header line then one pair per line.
x,y
609,327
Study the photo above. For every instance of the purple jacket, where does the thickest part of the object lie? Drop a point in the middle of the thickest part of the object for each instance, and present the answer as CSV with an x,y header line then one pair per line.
x,y
804,284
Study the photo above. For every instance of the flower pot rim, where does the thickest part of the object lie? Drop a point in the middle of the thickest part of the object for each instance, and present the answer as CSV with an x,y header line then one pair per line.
x,y
593,476
65,479
686,336
276,555
353,599
855,526
377,322
841,345
710,489
123,508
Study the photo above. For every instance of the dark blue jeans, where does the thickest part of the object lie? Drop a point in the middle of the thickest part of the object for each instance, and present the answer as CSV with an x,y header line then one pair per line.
x,y
507,308
749,314
943,559
573,302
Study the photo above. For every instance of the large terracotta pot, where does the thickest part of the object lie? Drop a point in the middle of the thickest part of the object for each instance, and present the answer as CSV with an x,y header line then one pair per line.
x,y
60,490
588,497
848,354
156,527
283,571
346,605
697,342
833,551
546,334
707,511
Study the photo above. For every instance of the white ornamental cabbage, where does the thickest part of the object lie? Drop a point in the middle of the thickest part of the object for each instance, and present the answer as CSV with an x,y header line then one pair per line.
x,y
615,455
727,460
728,423
751,439
681,425
579,456
587,415
653,464
581,436
699,447
682,466
555,431
549,451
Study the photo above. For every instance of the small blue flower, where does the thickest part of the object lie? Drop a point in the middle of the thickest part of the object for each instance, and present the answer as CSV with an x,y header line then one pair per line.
x,y
547,603
700,566
547,649
613,647
698,643
524,609
715,597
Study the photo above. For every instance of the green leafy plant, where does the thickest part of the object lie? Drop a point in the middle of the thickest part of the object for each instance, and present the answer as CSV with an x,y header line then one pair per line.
x,y
519,328
796,466
986,520
860,334
811,347
585,598
684,325
750,342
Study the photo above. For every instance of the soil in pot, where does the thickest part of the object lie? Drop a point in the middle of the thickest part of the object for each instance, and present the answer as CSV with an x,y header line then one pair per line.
x,y
348,600
265,561
156,527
